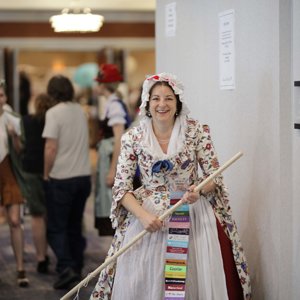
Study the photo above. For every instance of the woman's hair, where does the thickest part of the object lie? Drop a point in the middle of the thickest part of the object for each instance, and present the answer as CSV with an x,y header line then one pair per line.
x,y
60,89
178,102
42,103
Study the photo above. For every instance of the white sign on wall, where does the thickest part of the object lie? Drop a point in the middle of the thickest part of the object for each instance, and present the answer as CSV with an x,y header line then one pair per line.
x,y
226,50
170,18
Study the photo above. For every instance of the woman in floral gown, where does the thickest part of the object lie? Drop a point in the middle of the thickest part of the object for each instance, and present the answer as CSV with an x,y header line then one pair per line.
x,y
171,149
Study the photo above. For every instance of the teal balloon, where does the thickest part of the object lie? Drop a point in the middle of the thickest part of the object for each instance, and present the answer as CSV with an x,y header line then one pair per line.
x,y
85,74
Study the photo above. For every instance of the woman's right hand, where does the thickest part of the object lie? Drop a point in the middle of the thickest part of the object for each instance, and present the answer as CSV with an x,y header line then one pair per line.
x,y
150,222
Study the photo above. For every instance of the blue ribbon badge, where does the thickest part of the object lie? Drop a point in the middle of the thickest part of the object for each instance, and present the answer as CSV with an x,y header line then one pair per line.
x,y
162,165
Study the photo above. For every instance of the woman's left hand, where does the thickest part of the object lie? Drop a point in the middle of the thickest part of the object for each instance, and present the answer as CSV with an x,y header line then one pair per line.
x,y
190,196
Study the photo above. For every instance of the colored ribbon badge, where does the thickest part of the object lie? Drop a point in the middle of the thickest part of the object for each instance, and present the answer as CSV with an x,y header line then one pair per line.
x,y
162,165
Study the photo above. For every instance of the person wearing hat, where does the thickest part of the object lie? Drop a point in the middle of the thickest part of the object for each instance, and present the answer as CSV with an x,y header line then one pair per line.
x,y
116,120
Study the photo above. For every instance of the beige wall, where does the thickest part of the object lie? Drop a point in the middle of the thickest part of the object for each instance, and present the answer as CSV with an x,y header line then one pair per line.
x,y
55,59
140,64
42,64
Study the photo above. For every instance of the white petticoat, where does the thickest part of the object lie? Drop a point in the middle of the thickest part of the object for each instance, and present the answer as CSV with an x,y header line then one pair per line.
x,y
140,270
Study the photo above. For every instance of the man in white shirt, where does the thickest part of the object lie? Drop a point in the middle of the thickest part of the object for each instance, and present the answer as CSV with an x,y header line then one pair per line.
x,y
67,177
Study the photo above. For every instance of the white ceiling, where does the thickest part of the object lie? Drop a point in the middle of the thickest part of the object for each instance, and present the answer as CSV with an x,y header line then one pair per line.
x,y
105,5
112,10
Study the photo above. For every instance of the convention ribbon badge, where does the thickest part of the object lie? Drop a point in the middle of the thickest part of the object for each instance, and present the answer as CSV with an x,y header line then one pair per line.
x,y
177,250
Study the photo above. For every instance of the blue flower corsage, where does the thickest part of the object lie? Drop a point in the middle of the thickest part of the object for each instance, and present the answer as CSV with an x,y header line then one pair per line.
x,y
162,165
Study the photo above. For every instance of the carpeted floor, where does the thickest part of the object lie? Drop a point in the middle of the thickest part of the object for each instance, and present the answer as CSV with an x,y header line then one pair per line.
x,y
41,285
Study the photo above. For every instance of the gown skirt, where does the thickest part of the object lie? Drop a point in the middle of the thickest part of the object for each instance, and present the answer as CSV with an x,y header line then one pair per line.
x,y
211,271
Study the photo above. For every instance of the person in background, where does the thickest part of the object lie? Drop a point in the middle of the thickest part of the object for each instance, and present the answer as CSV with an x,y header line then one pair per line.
x,y
25,92
116,120
10,193
8,108
2,214
134,102
196,253
33,165
67,176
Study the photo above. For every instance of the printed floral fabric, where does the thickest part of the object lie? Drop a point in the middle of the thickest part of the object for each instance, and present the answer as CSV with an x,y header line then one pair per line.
x,y
197,151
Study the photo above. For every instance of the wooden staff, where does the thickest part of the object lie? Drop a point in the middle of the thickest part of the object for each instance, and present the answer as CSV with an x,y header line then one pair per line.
x,y
109,260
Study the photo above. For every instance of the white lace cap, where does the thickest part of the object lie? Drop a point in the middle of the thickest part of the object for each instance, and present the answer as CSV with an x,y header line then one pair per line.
x,y
176,85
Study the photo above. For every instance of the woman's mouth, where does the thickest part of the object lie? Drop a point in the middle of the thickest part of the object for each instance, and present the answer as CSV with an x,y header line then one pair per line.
x,y
162,111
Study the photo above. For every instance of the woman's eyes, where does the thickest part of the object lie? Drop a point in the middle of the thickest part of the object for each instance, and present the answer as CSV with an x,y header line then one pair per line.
x,y
157,98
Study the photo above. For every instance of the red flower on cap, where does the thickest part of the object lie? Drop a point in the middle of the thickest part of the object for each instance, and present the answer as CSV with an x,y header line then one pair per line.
x,y
154,77
108,73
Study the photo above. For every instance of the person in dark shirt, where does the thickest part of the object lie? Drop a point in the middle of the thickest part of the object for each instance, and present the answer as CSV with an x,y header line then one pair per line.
x,y
33,165
25,92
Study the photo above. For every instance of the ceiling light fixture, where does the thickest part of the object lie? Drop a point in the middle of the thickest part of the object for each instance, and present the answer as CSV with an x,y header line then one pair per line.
x,y
76,20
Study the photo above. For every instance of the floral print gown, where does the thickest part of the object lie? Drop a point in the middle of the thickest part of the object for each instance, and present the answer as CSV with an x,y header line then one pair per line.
x,y
144,261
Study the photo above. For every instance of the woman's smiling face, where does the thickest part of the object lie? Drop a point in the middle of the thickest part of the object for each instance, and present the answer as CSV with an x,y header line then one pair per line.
x,y
162,104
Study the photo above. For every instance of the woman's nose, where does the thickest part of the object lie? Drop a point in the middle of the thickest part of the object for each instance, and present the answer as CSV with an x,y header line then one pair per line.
x,y
162,102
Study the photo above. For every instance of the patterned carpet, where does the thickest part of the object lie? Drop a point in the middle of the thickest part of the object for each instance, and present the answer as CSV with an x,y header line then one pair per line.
x,y
41,285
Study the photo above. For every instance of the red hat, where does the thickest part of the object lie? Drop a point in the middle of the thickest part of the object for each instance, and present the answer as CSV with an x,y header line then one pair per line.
x,y
108,73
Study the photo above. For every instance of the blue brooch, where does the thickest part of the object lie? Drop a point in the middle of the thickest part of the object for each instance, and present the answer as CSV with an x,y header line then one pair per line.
x,y
162,165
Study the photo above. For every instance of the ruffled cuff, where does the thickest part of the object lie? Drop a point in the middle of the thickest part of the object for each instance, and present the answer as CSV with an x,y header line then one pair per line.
x,y
118,212
220,194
